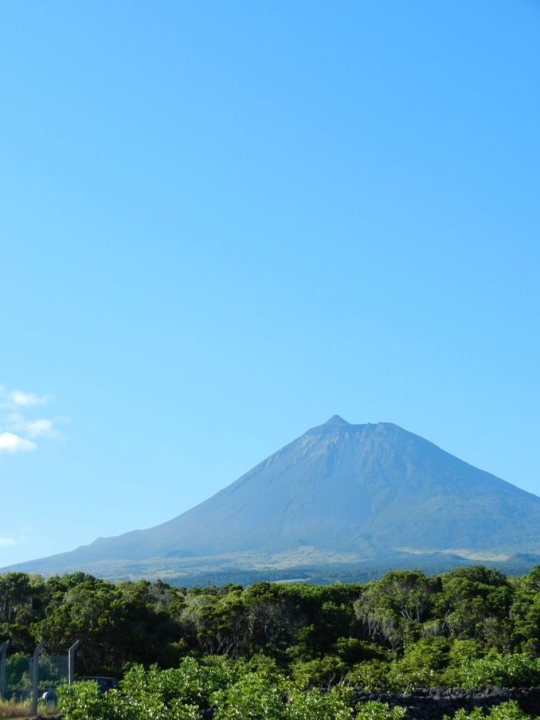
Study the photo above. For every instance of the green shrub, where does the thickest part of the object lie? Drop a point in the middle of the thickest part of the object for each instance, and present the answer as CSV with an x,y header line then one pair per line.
x,y
352,650
322,673
507,711
423,665
517,670
178,693
370,676
379,711
504,711
254,697
83,700
334,705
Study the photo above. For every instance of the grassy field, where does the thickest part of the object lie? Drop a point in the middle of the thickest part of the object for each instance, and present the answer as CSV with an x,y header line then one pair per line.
x,y
18,710
11,710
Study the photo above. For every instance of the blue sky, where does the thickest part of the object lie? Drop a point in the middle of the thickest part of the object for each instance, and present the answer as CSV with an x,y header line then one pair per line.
x,y
222,223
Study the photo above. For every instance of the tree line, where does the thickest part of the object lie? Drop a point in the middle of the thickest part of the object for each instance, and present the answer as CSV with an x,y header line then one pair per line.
x,y
381,631
285,645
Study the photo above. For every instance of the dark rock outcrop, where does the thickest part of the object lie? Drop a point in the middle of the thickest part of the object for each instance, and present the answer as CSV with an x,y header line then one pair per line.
x,y
435,703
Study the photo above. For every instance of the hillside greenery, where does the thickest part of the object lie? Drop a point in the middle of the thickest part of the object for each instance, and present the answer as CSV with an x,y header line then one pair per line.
x,y
278,650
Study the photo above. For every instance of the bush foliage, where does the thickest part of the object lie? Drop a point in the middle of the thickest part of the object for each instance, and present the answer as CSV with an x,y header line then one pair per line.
x,y
271,649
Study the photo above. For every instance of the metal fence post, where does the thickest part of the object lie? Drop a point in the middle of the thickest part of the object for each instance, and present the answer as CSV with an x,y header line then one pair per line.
x,y
71,662
35,678
3,654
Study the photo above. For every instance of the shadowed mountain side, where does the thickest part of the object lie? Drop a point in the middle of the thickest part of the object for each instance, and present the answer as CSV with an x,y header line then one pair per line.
x,y
366,490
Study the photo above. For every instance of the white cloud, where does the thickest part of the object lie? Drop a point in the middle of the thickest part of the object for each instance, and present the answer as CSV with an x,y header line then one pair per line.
x,y
19,426
26,399
9,442
4,542
41,427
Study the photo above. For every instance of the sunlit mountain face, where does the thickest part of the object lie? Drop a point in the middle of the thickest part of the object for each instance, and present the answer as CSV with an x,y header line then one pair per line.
x,y
340,493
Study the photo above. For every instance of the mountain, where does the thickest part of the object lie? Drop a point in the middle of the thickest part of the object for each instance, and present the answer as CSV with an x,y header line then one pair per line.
x,y
339,494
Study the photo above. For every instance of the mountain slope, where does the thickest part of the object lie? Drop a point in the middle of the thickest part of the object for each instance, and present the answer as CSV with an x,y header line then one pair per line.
x,y
364,490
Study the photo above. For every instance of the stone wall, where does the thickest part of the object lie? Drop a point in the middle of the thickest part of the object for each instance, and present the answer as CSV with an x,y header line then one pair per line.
x,y
435,703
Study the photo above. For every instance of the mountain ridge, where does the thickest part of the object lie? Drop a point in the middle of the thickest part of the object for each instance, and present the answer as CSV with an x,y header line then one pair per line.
x,y
362,491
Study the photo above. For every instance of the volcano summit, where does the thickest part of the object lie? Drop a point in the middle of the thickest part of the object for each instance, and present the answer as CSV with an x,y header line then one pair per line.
x,y
338,494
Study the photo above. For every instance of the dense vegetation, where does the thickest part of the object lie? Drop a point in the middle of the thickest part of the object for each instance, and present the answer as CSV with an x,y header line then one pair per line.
x,y
280,644
228,690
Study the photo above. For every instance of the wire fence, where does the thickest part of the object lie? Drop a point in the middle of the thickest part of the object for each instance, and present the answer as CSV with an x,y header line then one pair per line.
x,y
53,671
18,682
20,685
